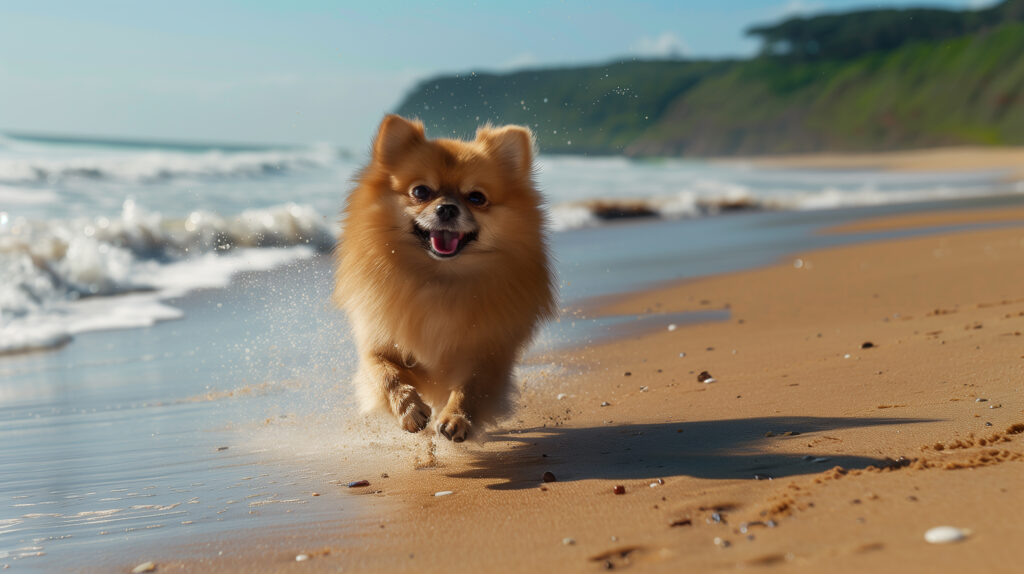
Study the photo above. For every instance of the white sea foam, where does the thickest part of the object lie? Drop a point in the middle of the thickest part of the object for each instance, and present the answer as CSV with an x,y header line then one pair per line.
x,y
160,165
10,196
701,201
59,277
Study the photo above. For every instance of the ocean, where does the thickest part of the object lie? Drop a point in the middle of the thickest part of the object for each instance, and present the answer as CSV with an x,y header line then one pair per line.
x,y
84,220
171,368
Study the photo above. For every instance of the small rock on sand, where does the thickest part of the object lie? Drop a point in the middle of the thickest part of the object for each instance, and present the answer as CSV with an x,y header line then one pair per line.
x,y
945,534
144,567
301,557
605,404
561,396
359,483
568,541
672,327
619,489
867,345
705,377
443,493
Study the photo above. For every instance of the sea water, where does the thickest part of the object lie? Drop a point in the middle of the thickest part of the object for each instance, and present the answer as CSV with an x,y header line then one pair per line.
x,y
188,374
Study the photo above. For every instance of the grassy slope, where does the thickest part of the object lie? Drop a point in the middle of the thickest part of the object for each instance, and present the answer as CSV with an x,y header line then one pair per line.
x,y
964,91
594,109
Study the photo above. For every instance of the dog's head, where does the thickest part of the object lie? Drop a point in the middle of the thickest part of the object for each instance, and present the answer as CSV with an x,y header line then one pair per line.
x,y
457,200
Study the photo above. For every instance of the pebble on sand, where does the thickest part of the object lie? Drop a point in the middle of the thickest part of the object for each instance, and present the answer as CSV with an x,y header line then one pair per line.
x,y
705,377
867,345
672,327
301,557
144,567
619,489
605,404
443,493
946,534
561,396
568,541
359,483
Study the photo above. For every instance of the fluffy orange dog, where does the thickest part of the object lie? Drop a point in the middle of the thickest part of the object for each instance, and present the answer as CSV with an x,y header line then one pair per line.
x,y
443,271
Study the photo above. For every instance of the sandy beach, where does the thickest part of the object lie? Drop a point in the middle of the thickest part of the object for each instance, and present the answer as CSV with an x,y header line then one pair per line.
x,y
1008,159
861,395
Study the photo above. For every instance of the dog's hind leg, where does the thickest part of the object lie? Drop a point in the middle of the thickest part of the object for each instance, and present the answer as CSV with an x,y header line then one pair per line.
x,y
390,379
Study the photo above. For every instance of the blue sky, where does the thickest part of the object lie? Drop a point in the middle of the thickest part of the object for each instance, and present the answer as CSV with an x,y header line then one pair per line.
x,y
316,71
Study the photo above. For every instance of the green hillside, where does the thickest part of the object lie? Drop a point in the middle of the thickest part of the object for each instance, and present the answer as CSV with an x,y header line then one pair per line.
x,y
596,109
966,89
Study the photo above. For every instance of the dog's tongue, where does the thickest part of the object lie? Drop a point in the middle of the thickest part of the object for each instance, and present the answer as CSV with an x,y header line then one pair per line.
x,y
445,242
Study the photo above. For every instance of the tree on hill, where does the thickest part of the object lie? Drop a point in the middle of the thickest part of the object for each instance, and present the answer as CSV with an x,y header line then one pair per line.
x,y
852,34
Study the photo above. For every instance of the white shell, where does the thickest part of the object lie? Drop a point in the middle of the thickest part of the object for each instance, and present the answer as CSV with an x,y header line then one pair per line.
x,y
443,493
302,557
945,534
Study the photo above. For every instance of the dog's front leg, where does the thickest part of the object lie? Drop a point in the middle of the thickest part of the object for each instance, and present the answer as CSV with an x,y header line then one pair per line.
x,y
393,380
453,422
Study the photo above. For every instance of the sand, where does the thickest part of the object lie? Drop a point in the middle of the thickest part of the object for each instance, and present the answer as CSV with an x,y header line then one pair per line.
x,y
811,450
1008,159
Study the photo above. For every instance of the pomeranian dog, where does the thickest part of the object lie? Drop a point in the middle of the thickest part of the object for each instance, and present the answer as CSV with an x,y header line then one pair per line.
x,y
443,271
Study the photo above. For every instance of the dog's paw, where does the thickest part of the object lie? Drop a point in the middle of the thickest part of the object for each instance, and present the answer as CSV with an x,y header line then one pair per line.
x,y
415,415
454,427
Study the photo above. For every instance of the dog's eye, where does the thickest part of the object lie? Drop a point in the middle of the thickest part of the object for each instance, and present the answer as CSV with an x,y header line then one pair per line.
x,y
421,192
476,198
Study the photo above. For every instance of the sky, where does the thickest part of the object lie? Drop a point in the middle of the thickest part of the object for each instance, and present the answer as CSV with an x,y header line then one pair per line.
x,y
305,71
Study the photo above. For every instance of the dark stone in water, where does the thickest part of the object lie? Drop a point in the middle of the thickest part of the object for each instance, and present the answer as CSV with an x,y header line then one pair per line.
x,y
359,483
549,477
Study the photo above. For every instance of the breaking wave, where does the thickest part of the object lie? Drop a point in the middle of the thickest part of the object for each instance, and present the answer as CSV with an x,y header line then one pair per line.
x,y
730,198
58,274
161,165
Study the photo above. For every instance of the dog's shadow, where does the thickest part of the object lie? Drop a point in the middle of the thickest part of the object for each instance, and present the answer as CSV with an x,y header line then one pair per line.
x,y
722,449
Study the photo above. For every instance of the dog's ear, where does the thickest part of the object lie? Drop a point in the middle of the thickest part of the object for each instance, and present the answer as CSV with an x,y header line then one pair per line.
x,y
396,136
511,145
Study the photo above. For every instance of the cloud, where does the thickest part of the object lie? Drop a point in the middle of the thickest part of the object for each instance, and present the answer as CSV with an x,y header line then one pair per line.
x,y
667,45
800,7
524,60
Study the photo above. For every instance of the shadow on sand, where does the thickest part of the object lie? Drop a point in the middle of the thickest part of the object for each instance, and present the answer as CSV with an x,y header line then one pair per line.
x,y
724,449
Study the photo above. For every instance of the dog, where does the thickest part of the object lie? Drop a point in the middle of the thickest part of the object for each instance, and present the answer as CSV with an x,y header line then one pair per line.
x,y
443,271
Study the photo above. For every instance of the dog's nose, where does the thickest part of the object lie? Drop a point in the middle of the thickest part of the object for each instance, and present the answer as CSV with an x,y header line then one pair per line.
x,y
447,211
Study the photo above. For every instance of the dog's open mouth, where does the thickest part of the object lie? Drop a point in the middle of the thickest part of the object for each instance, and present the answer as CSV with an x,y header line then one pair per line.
x,y
443,242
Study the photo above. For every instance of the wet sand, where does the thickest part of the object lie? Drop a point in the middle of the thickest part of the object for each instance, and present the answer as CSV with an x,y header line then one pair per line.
x,y
811,449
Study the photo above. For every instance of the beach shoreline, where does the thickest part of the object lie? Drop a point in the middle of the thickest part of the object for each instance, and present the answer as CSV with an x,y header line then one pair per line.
x,y
862,394
942,159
